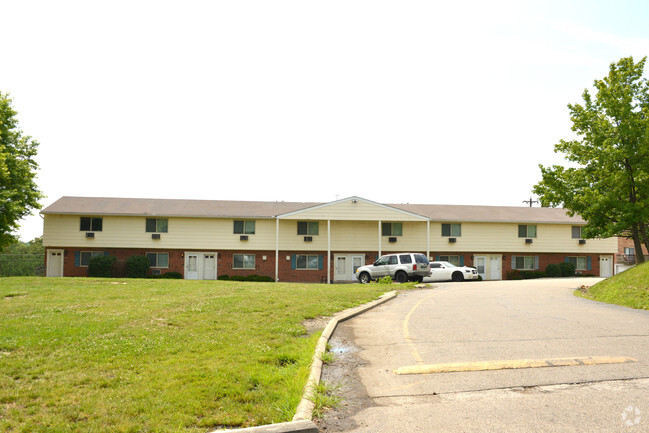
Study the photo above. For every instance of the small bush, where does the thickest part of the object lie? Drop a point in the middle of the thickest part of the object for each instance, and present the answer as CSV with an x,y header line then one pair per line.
x,y
567,269
168,275
137,266
553,270
385,280
101,266
525,275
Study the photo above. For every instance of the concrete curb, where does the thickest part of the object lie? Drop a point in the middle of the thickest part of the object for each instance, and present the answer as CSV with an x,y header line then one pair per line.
x,y
302,420
305,408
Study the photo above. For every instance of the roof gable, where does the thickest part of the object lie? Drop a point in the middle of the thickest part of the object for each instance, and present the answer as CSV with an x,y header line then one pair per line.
x,y
353,209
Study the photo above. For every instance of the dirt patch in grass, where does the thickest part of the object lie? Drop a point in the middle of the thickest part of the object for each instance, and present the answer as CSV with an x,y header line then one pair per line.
x,y
343,374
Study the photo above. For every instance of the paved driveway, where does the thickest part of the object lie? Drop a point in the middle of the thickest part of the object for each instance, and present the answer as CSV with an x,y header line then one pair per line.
x,y
493,321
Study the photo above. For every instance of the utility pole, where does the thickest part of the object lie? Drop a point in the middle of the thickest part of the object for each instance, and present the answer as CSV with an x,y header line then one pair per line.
x,y
530,201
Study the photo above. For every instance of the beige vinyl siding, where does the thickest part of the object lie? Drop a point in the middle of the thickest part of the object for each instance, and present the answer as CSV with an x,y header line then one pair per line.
x,y
183,233
364,236
290,240
349,211
503,237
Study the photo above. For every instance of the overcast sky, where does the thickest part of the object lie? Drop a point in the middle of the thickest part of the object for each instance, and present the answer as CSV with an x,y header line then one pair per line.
x,y
393,101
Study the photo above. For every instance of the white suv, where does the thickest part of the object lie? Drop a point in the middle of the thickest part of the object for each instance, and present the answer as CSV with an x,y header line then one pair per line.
x,y
401,267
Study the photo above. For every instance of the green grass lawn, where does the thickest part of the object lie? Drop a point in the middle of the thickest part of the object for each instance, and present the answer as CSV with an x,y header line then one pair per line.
x,y
629,288
96,355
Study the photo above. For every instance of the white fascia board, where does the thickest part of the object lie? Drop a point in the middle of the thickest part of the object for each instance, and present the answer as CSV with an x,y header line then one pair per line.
x,y
392,208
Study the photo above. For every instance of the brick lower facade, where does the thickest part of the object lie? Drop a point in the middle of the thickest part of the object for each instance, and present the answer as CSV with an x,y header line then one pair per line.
x,y
265,262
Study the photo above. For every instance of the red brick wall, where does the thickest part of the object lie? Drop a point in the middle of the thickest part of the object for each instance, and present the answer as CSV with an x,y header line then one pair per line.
x,y
627,243
286,274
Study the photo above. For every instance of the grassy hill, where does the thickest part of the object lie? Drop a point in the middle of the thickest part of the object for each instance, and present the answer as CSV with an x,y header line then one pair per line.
x,y
108,355
629,288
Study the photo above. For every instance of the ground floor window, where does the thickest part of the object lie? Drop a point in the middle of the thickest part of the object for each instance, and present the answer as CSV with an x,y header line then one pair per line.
x,y
581,263
158,260
85,256
305,261
451,259
243,261
525,263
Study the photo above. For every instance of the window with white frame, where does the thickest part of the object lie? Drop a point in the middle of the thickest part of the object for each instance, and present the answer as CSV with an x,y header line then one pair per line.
x,y
91,224
451,229
85,256
580,262
526,231
392,229
243,261
308,228
158,260
629,251
306,261
576,232
156,225
455,260
526,263
244,227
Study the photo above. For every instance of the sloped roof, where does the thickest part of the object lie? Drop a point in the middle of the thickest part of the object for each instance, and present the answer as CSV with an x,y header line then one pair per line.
x,y
541,215
269,209
171,207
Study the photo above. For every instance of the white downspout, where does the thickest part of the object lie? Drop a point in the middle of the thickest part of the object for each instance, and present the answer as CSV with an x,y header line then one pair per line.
x,y
380,238
427,238
328,251
276,249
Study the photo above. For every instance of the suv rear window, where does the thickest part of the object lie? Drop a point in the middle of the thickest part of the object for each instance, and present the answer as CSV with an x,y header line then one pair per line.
x,y
420,258
405,259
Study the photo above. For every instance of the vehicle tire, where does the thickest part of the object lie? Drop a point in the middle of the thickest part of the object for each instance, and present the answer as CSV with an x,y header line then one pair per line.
x,y
457,276
401,277
418,280
364,278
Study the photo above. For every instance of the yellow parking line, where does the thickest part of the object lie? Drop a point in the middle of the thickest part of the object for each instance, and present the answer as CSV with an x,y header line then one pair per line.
x,y
406,331
512,363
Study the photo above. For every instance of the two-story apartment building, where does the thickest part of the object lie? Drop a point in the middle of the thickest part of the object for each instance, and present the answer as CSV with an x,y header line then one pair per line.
x,y
311,242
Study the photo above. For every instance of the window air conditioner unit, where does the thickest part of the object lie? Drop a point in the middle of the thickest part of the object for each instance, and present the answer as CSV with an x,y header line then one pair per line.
x,y
243,237
308,238
452,240
90,235
582,241
155,236
392,239
528,241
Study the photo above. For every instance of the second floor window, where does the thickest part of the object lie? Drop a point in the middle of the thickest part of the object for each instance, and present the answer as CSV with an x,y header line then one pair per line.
x,y
91,224
576,232
244,227
454,230
156,225
391,229
526,231
309,228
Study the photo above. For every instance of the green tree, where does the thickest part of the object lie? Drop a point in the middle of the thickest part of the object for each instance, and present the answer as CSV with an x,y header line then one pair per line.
x,y
607,183
18,191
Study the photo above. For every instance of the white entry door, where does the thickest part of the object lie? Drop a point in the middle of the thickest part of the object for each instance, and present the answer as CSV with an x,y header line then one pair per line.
x,y
495,268
54,263
345,266
480,264
200,266
605,266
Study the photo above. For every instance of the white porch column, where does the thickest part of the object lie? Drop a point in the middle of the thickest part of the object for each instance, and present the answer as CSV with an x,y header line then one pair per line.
x,y
328,251
276,249
380,238
427,238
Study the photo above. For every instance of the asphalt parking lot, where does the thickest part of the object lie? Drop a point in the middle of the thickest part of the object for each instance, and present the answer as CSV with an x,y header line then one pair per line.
x,y
504,340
